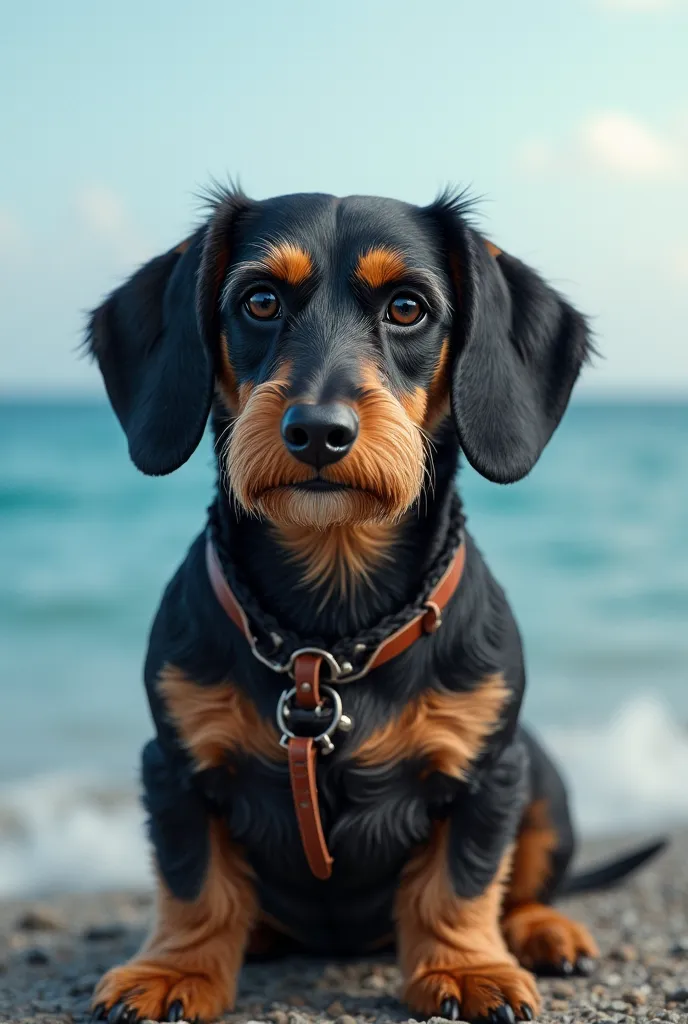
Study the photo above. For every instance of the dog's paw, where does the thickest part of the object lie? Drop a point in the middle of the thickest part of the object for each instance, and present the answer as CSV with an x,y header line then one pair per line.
x,y
150,990
494,993
548,942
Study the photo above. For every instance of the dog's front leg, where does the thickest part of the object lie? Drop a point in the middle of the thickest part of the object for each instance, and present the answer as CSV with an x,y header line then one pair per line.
x,y
206,906
453,958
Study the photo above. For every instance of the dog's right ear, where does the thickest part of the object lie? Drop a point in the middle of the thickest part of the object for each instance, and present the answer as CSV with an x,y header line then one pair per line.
x,y
157,369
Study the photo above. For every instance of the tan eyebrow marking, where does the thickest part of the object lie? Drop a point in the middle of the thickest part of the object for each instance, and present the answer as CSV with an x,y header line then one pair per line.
x,y
380,265
288,262
492,249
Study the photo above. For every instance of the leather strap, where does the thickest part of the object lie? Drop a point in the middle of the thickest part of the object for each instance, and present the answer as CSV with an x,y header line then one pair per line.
x,y
302,750
223,591
428,621
302,755
307,681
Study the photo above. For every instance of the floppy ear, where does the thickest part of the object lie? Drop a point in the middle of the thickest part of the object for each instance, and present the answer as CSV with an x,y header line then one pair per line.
x,y
518,348
157,370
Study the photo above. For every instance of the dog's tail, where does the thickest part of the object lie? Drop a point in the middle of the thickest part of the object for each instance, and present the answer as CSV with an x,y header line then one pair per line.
x,y
610,872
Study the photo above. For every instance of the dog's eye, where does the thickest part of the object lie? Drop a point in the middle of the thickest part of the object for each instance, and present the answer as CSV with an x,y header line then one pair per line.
x,y
263,304
405,310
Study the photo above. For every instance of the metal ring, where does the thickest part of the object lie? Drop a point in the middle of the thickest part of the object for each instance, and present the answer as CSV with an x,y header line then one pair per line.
x,y
287,695
328,658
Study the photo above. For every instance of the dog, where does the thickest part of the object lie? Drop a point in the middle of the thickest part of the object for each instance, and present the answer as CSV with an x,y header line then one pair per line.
x,y
334,676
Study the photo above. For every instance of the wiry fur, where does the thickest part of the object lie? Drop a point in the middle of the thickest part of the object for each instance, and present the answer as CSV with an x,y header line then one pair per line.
x,y
421,801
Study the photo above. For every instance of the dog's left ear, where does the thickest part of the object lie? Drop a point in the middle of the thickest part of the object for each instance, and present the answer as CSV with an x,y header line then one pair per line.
x,y
518,348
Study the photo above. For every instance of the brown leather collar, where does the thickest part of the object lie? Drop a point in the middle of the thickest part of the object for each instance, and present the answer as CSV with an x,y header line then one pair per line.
x,y
309,694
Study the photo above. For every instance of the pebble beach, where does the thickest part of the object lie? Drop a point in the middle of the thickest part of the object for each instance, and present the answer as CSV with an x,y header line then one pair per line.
x,y
52,952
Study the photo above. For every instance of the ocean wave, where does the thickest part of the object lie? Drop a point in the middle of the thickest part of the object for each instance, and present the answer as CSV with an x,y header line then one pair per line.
x,y
629,772
60,833
67,833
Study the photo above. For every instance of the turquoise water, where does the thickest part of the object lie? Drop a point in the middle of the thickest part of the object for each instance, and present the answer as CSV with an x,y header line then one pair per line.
x,y
592,550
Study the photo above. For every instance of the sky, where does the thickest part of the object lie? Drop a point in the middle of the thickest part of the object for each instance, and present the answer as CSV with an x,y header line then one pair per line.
x,y
569,118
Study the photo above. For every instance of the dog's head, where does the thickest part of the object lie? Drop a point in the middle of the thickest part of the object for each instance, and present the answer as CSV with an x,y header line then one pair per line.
x,y
338,334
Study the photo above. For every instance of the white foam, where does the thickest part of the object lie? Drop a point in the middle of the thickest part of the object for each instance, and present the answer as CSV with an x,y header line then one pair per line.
x,y
60,833
64,833
627,773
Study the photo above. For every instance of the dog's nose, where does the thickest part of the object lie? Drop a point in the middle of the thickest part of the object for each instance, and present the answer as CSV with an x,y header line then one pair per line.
x,y
320,434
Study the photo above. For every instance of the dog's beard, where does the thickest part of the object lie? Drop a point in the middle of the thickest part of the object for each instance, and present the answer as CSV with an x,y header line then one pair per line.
x,y
381,477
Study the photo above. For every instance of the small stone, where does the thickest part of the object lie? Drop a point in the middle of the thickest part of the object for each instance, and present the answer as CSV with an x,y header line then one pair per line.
x,y
563,990
374,981
296,1000
278,1017
36,957
618,1006
40,919
680,948
680,995
335,1009
105,932
296,1018
627,953
635,996
346,1019
558,1005
84,985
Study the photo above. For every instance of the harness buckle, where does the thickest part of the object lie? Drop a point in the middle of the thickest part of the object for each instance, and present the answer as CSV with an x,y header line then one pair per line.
x,y
323,739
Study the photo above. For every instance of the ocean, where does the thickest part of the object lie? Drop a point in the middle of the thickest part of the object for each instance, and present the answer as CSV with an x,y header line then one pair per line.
x,y
592,550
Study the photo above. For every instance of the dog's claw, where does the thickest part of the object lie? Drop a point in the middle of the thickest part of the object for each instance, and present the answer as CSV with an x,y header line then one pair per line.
x,y
526,1012
119,1014
585,965
175,1010
450,1009
98,1012
566,967
502,1015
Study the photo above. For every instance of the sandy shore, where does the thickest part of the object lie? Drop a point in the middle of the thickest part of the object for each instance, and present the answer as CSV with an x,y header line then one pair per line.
x,y
52,952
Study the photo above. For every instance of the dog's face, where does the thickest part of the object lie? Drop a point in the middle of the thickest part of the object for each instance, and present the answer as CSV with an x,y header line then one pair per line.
x,y
338,334
335,318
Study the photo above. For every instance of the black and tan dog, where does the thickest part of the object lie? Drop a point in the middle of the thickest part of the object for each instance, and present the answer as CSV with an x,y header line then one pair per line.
x,y
334,675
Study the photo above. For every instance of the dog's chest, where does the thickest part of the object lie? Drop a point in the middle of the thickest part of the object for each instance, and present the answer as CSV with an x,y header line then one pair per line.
x,y
371,815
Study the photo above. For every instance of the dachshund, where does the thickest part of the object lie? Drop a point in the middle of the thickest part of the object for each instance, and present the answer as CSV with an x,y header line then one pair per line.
x,y
334,675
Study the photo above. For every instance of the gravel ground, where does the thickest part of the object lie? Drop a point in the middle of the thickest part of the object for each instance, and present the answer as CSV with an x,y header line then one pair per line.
x,y
52,953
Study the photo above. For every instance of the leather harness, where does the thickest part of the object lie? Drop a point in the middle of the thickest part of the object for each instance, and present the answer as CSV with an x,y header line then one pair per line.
x,y
311,696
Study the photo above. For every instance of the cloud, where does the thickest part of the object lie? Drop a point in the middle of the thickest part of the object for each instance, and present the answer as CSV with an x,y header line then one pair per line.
x,y
638,5
623,145
104,215
611,143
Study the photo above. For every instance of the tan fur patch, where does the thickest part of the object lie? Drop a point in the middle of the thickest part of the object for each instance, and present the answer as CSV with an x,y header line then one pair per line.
x,y
213,721
288,262
537,840
451,947
446,730
380,266
541,936
340,559
226,380
195,951
438,392
384,470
